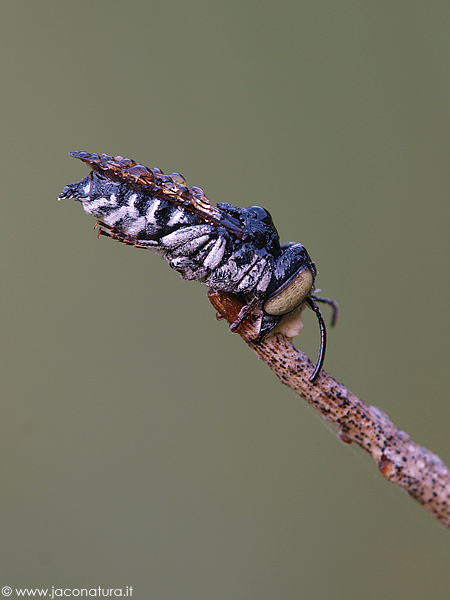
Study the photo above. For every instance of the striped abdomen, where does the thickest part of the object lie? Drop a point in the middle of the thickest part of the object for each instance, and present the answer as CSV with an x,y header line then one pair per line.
x,y
197,249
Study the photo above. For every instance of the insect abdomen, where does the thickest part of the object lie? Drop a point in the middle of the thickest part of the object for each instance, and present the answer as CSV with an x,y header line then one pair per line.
x,y
196,249
134,211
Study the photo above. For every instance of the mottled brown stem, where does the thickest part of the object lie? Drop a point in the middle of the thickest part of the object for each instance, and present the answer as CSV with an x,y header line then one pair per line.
x,y
422,474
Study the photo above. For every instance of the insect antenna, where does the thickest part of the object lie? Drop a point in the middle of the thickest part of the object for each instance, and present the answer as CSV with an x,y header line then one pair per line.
x,y
323,336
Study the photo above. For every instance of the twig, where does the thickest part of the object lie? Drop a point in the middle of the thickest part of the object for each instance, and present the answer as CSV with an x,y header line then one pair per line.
x,y
422,474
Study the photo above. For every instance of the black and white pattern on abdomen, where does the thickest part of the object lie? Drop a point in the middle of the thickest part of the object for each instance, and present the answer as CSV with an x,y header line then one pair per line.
x,y
197,250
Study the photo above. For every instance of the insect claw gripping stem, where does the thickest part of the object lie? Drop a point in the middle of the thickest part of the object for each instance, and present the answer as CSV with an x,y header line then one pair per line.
x,y
246,311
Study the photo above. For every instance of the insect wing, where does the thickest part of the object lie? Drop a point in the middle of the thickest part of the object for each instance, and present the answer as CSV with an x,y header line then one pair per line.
x,y
168,187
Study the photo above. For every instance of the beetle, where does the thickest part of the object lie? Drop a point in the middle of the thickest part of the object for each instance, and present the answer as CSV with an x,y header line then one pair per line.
x,y
227,248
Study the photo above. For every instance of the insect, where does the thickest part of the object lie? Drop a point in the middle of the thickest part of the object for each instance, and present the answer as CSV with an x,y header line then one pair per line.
x,y
227,248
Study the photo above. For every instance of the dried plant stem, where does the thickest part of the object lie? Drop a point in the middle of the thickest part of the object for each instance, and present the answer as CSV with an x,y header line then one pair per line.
x,y
422,474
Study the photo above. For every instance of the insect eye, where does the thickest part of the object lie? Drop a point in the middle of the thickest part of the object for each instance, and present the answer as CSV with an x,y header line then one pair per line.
x,y
261,214
291,294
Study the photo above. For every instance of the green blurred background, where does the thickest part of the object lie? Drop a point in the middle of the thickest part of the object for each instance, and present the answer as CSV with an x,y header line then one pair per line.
x,y
144,445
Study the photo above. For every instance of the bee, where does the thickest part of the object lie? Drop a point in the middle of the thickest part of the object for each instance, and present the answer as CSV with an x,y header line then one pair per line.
x,y
227,248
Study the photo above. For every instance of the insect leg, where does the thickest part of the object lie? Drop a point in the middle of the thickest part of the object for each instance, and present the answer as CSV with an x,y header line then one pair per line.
x,y
323,337
334,305
244,313
115,234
